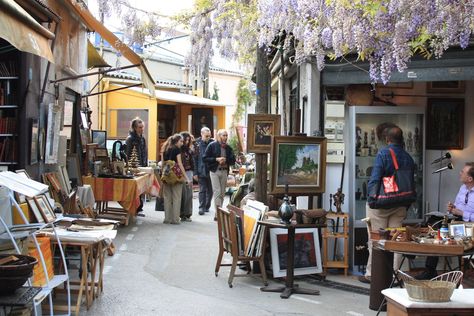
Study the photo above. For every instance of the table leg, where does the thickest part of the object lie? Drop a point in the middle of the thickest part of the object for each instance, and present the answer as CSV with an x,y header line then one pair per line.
x,y
289,287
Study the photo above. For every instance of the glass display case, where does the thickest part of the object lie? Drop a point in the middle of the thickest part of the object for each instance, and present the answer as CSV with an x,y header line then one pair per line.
x,y
365,146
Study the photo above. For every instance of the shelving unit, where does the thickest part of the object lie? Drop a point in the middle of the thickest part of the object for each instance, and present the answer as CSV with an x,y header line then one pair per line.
x,y
340,231
9,108
19,232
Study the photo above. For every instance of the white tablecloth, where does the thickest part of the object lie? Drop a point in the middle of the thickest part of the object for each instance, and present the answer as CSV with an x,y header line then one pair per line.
x,y
86,195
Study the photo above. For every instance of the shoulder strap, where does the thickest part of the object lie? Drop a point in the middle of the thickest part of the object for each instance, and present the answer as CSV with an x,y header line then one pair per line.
x,y
394,158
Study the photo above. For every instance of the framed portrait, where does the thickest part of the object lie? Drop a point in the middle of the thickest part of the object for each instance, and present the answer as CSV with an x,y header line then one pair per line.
x,y
441,87
202,117
261,129
45,208
300,162
307,254
35,210
457,230
100,138
445,124
34,141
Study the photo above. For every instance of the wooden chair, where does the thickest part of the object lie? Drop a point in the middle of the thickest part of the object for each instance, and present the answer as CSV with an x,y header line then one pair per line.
x,y
228,242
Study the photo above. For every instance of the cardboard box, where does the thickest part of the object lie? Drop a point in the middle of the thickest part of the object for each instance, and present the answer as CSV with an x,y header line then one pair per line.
x,y
39,278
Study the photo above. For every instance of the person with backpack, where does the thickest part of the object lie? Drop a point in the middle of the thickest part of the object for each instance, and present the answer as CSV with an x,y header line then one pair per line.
x,y
173,186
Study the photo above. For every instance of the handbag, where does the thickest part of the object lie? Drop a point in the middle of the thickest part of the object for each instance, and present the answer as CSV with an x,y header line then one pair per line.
x,y
171,173
395,190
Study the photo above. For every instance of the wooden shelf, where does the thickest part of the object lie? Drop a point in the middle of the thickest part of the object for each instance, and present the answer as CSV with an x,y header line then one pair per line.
x,y
341,221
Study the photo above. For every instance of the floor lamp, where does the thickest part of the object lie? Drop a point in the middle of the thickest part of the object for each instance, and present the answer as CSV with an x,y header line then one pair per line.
x,y
440,170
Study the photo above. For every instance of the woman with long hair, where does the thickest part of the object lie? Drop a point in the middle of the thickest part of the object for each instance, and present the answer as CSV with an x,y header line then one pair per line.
x,y
187,156
172,193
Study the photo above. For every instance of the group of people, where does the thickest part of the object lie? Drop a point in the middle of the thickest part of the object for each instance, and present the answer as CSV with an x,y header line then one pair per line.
x,y
204,160
463,206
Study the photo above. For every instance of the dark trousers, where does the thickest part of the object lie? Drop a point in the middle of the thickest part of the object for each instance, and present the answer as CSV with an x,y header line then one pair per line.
x,y
431,262
205,193
186,202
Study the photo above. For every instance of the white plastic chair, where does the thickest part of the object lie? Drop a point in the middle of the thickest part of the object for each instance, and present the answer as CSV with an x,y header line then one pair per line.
x,y
453,276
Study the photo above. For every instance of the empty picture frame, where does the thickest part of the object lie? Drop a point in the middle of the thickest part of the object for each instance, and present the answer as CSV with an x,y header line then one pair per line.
x,y
64,178
52,134
99,137
45,208
35,210
34,152
307,254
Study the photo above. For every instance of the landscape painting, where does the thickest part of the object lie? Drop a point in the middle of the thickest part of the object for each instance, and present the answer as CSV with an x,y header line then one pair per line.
x,y
300,162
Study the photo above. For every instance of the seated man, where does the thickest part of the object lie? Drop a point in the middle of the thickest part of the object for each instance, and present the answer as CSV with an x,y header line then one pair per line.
x,y
463,206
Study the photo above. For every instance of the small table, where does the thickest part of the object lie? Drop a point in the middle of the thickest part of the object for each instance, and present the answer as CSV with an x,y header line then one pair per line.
x,y
399,304
289,287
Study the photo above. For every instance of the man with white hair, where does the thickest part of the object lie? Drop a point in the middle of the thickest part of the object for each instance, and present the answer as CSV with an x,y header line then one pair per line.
x,y
201,173
218,157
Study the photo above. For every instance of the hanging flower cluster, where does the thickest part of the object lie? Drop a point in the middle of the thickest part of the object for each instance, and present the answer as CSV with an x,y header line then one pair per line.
x,y
387,33
229,24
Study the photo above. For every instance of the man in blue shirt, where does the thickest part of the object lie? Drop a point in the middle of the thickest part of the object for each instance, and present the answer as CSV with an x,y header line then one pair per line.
x,y
383,167
463,206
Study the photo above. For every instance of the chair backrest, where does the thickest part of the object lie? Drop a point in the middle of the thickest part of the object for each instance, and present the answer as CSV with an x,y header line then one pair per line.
x,y
452,276
226,229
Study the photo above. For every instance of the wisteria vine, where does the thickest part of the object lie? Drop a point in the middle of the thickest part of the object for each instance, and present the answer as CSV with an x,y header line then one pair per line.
x,y
386,33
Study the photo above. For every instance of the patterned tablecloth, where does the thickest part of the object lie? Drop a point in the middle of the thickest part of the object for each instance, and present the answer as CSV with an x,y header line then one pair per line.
x,y
125,191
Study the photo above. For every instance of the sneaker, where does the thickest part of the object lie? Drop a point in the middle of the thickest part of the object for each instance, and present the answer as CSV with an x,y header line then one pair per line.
x,y
207,211
187,219
201,212
140,214
428,274
364,279
175,223
166,222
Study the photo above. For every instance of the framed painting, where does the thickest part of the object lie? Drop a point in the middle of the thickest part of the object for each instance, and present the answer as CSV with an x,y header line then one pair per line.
x,y
307,254
445,124
35,210
300,162
261,129
100,138
202,118
34,141
45,208
445,87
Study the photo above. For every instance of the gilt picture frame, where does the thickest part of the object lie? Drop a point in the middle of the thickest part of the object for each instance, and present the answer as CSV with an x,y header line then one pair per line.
x,y
300,162
261,129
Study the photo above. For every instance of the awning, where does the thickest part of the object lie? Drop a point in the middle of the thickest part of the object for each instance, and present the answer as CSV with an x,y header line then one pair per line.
x,y
116,43
179,97
24,32
185,98
94,60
